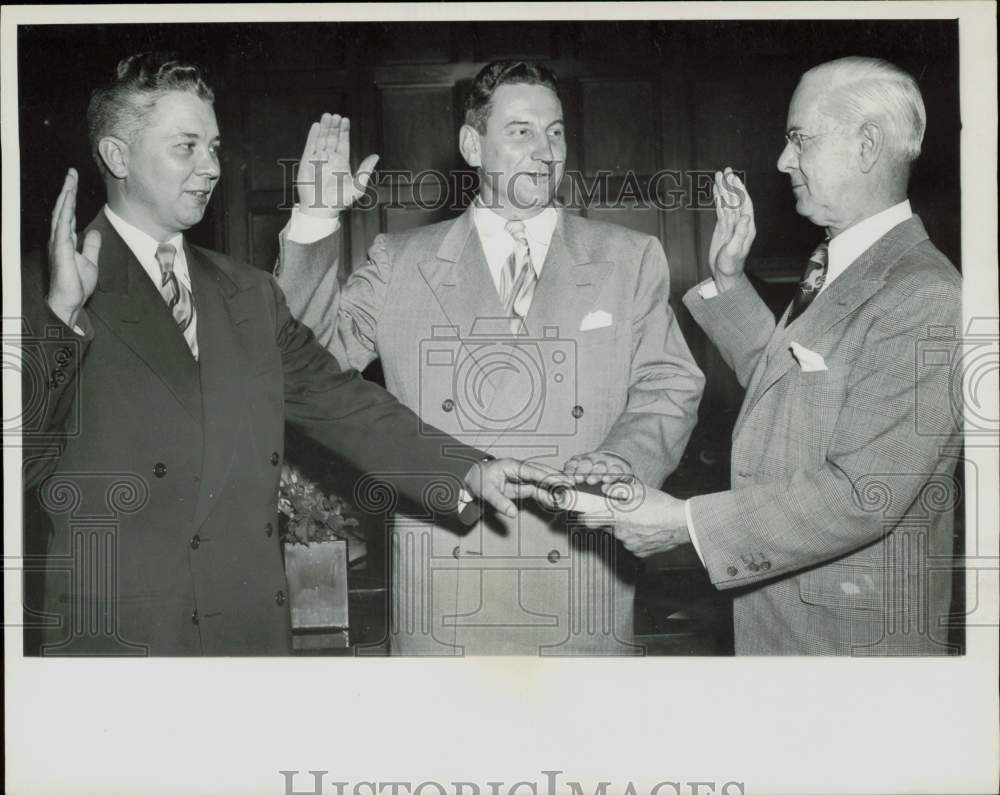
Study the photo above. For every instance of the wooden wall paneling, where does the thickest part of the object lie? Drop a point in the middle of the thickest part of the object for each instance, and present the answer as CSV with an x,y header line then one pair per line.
x,y
413,43
619,125
417,129
494,41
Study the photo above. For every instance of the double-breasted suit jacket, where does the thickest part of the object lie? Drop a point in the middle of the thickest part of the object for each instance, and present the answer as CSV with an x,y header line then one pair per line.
x,y
158,474
601,364
838,527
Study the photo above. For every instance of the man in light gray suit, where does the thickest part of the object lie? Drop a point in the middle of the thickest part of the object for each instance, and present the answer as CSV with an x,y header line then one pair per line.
x,y
528,329
838,527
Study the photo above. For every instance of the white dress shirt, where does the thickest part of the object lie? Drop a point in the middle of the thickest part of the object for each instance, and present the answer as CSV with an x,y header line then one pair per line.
x,y
497,243
844,249
144,247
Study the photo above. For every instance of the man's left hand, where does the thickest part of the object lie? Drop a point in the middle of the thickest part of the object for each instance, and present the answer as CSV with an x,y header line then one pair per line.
x,y
501,481
600,466
651,523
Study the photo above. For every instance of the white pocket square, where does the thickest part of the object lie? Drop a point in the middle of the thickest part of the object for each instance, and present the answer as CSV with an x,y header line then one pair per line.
x,y
809,361
598,319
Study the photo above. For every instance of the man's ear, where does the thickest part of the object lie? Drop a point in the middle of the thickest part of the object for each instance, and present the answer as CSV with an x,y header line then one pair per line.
x,y
469,145
872,144
114,155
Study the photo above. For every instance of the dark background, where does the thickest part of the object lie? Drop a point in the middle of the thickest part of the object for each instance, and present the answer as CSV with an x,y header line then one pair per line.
x,y
638,97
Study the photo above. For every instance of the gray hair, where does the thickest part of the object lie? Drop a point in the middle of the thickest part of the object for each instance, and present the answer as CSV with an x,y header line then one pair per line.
x,y
870,89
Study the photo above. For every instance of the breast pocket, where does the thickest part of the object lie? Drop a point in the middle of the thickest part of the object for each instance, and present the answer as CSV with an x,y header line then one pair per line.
x,y
817,403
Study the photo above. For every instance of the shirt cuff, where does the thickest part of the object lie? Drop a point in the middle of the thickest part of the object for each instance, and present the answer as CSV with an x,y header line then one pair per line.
x,y
306,229
707,290
690,524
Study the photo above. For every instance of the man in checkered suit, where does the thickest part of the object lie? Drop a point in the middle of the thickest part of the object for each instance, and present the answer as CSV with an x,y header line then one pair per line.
x,y
837,532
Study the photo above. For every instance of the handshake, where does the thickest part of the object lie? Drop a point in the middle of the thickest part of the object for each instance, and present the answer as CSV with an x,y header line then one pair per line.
x,y
599,487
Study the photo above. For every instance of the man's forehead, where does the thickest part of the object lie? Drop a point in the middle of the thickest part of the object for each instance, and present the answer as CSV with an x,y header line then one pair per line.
x,y
513,98
182,112
804,106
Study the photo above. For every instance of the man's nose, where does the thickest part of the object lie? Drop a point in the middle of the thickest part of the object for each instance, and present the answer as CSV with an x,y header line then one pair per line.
x,y
208,165
544,151
788,158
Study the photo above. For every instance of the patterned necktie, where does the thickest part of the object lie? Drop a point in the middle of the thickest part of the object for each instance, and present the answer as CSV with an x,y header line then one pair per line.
x,y
517,282
177,296
812,281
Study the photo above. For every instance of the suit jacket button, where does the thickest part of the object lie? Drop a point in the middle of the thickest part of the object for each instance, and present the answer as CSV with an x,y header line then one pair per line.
x,y
753,567
553,556
159,469
731,571
269,529
456,552
195,541
275,458
194,618
448,404
577,411
279,598
765,565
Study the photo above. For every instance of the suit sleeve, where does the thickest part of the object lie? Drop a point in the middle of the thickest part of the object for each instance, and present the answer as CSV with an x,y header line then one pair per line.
x,y
52,356
364,425
343,318
738,323
879,452
665,384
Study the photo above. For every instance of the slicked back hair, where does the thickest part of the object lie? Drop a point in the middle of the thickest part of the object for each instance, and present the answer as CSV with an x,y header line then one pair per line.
x,y
121,107
479,101
870,89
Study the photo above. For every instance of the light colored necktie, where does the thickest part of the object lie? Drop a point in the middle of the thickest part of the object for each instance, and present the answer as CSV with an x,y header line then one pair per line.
x,y
177,296
517,284
811,282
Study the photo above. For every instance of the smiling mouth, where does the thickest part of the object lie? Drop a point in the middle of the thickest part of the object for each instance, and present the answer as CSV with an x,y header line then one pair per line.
x,y
200,194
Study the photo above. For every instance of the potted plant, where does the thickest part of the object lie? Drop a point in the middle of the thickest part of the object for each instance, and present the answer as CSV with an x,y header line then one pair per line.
x,y
316,535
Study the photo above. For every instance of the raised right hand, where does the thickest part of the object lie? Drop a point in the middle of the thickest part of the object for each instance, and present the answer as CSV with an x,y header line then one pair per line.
x,y
734,229
73,276
325,185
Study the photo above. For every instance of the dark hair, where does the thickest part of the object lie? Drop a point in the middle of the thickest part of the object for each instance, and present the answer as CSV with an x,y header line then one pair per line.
x,y
479,101
121,107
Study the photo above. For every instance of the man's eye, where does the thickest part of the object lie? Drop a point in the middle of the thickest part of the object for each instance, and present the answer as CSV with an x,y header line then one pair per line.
x,y
557,133
189,146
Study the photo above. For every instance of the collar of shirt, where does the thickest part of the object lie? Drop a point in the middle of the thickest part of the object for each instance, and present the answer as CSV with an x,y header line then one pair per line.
x,y
144,247
498,245
850,244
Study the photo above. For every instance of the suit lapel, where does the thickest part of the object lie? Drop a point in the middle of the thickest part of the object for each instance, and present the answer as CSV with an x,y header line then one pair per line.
x,y
460,278
570,281
223,381
862,279
133,309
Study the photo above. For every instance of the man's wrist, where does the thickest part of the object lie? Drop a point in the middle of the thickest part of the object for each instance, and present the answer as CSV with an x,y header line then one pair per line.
x,y
67,313
306,229
724,283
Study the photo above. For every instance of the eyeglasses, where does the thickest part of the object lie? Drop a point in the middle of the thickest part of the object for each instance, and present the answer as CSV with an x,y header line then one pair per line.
x,y
798,139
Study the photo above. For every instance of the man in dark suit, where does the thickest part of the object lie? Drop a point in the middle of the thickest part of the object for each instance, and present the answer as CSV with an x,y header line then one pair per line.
x,y
837,530
155,444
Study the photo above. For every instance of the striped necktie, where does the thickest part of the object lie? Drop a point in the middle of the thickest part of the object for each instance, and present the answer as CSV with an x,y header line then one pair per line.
x,y
518,279
177,296
811,282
